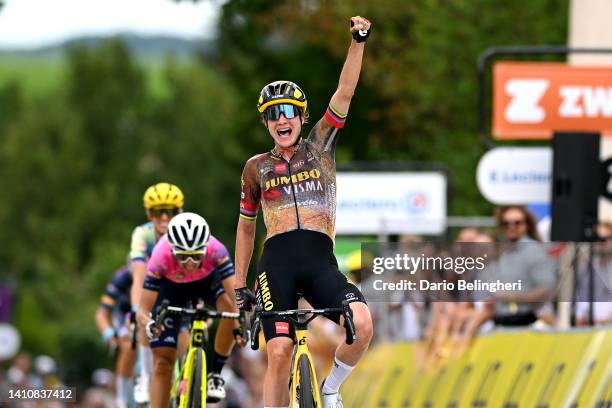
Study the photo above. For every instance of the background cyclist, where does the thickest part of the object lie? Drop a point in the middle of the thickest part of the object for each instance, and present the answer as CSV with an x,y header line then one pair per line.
x,y
187,264
295,184
162,201
111,322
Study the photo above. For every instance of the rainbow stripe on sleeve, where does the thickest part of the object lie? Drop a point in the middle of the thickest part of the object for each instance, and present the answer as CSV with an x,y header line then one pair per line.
x,y
335,118
248,214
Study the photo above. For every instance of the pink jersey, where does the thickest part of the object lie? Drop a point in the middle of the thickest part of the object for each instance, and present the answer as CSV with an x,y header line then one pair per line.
x,y
162,263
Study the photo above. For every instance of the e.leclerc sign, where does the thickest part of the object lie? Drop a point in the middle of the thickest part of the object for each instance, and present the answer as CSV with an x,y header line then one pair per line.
x,y
515,175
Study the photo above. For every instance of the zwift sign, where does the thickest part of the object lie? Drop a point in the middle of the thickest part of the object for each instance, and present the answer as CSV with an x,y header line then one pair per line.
x,y
532,100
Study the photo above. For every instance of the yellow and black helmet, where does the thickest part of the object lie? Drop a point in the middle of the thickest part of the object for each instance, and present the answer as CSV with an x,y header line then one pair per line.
x,y
282,92
163,195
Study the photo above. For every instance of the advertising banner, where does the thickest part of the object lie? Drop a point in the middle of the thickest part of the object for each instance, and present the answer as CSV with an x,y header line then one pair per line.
x,y
515,175
532,100
391,203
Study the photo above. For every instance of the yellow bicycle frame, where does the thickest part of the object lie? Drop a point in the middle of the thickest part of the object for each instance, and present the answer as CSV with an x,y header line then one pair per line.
x,y
302,349
198,328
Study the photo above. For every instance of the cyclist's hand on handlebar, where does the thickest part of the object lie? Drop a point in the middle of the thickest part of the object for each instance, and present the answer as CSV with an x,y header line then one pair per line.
x,y
245,299
153,331
110,337
360,28
239,336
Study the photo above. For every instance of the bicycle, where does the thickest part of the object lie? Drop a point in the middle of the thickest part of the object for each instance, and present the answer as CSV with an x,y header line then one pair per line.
x,y
303,379
189,387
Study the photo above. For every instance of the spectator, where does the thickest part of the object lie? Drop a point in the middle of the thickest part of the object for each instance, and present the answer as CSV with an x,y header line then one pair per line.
x,y
523,259
453,324
468,234
602,285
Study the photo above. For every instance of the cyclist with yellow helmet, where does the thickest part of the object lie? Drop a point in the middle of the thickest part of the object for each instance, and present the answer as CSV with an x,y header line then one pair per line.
x,y
162,201
295,184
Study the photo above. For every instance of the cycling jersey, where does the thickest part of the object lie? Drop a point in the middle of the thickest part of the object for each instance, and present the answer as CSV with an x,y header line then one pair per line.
x,y
163,265
299,193
117,294
144,239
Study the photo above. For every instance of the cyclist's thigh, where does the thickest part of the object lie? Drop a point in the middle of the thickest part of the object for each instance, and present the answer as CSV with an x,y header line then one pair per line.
x,y
323,286
275,290
174,293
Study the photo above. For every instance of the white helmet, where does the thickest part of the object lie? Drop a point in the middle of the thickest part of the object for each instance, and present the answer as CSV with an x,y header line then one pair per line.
x,y
188,232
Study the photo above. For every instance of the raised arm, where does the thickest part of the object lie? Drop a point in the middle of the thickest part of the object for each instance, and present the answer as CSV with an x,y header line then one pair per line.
x,y
349,76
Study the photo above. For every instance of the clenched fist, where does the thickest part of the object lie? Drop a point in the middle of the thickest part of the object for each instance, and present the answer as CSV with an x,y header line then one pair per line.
x,y
360,28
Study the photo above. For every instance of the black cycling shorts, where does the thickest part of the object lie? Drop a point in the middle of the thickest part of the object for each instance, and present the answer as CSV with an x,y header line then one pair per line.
x,y
300,262
183,295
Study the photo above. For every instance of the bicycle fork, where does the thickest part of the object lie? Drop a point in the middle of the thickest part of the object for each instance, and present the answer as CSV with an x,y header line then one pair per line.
x,y
302,349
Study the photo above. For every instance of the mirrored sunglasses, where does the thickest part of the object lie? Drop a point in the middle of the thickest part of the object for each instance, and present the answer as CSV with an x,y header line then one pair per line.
x,y
159,211
184,257
274,111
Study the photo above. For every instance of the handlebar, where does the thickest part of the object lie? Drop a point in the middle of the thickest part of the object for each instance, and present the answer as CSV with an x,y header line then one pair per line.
x,y
165,309
296,314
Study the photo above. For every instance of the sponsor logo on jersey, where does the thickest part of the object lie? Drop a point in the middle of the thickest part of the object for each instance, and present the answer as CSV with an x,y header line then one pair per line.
x,y
266,169
170,339
168,323
264,290
350,296
282,327
280,168
295,178
304,187
272,194
297,165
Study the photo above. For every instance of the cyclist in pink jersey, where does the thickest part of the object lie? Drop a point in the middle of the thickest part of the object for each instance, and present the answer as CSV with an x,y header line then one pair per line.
x,y
187,264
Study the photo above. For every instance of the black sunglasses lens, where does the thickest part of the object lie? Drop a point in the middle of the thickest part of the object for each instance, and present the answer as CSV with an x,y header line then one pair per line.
x,y
272,113
158,212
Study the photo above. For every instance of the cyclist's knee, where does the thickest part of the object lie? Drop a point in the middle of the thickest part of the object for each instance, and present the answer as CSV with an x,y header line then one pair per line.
x,y
163,362
279,351
225,304
363,322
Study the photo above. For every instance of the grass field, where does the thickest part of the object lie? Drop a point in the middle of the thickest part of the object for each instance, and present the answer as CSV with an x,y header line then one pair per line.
x,y
41,76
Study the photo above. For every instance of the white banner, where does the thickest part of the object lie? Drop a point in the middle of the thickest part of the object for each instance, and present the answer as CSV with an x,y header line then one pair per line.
x,y
516,175
391,203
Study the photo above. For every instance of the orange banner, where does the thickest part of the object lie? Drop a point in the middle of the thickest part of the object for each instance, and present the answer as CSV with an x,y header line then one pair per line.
x,y
533,100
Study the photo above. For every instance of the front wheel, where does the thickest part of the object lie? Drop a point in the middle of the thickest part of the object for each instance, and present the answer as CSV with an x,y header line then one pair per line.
x,y
197,385
306,384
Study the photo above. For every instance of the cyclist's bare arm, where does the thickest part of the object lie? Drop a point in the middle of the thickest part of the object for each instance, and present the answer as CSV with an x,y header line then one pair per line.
x,y
139,269
245,239
147,300
350,71
103,319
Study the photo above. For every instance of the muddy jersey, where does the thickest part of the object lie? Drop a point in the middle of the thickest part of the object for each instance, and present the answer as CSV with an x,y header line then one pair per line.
x,y
299,193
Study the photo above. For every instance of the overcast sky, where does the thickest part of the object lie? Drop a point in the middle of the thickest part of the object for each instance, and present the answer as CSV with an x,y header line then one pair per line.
x,y
35,23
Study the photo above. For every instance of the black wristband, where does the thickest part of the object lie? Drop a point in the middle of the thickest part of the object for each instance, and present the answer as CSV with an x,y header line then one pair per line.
x,y
360,35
